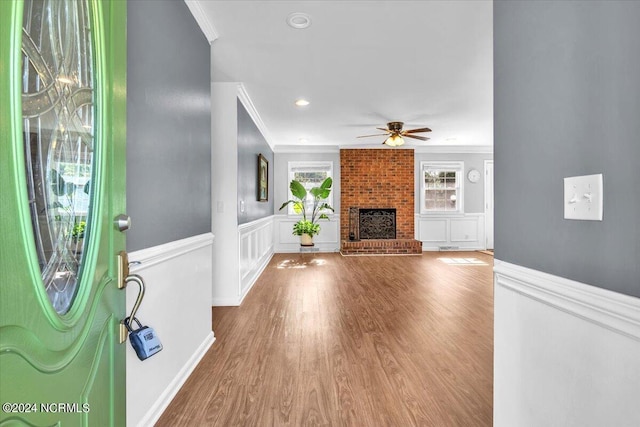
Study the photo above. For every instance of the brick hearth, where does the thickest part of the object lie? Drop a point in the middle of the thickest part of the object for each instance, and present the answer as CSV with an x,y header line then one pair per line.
x,y
384,246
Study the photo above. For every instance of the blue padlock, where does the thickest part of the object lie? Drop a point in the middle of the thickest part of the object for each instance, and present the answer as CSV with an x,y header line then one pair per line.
x,y
143,340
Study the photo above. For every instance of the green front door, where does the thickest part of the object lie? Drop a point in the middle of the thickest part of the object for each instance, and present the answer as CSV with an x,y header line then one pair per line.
x,y
62,181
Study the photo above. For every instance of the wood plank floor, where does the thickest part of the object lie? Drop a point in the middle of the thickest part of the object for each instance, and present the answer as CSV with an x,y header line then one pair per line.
x,y
351,341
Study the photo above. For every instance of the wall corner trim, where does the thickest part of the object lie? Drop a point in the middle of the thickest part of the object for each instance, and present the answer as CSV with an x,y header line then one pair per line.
x,y
203,21
617,312
244,97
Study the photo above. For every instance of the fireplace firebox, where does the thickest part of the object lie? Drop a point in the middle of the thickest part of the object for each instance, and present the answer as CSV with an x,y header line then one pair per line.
x,y
376,223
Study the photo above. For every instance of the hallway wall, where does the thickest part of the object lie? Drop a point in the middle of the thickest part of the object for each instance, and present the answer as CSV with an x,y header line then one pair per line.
x,y
567,102
168,198
168,125
566,306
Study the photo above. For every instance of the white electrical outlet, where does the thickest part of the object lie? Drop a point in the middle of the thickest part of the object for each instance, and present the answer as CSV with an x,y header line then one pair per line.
x,y
583,197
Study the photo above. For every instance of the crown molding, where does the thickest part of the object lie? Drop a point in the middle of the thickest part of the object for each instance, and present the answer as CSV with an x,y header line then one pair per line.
x,y
244,98
202,19
332,149
377,145
374,147
431,149
455,149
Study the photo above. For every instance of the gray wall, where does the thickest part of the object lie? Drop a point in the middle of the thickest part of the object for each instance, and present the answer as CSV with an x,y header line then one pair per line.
x,y
473,192
250,144
567,102
168,124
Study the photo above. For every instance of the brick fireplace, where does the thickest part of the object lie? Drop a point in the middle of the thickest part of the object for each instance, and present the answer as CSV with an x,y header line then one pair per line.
x,y
379,179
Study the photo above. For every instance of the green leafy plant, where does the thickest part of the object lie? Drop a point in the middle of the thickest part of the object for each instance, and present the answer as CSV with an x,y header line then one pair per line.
x,y
78,230
305,227
309,222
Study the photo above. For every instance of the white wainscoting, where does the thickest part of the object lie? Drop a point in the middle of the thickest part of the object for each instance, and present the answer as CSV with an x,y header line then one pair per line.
x,y
565,353
177,306
255,242
463,232
327,241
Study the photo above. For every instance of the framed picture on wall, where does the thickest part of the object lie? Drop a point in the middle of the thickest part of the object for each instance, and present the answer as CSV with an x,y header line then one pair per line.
x,y
263,178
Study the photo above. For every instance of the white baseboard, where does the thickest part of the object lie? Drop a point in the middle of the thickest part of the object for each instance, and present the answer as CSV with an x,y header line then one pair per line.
x,y
428,248
225,302
565,353
295,248
158,408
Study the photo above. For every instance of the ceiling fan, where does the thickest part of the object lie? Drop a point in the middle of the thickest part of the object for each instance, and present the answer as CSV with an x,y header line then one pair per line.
x,y
394,134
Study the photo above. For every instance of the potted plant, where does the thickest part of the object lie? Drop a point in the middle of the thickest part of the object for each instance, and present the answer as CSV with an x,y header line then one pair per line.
x,y
308,226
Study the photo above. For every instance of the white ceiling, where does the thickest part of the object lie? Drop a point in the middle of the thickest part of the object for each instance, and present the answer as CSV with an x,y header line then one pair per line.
x,y
360,64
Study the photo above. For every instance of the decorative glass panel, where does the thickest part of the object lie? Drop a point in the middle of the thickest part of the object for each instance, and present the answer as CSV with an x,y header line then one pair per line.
x,y
57,108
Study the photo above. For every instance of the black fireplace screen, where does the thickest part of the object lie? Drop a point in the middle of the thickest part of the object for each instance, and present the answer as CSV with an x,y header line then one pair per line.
x,y
377,223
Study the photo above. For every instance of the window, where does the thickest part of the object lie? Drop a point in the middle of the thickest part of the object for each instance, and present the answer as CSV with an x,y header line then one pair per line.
x,y
309,174
442,187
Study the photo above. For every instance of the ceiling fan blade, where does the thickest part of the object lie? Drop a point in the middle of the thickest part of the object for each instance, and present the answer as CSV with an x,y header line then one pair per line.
x,y
385,130
416,130
367,136
421,138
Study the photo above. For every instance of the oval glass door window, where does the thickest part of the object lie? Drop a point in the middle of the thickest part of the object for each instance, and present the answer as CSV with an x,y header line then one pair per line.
x,y
58,118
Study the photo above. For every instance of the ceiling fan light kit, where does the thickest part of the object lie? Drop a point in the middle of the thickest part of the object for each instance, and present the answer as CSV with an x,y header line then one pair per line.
x,y
395,133
394,141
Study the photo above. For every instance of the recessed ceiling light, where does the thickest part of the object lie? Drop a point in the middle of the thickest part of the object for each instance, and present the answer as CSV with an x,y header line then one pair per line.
x,y
303,140
299,20
302,102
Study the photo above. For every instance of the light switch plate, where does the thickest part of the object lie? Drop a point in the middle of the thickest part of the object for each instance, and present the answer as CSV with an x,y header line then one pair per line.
x,y
583,197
